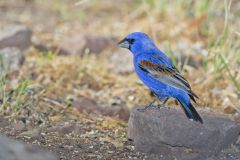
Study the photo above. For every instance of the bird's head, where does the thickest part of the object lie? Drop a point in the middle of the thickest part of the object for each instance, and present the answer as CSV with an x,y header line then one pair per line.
x,y
137,42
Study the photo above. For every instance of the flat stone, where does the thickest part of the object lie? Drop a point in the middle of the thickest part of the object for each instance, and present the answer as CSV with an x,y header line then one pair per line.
x,y
13,150
168,133
18,36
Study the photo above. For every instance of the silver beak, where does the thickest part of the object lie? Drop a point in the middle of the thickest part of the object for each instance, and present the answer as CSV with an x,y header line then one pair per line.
x,y
124,43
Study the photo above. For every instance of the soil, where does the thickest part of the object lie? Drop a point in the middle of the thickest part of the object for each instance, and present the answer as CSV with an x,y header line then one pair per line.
x,y
80,138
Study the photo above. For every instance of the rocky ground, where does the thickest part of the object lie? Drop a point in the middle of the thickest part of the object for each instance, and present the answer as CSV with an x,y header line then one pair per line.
x,y
66,88
79,138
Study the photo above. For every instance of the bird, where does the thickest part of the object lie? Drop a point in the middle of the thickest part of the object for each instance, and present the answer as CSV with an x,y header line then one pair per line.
x,y
159,74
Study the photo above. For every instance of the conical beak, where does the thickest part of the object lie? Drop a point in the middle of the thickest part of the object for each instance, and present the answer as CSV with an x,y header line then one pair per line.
x,y
124,43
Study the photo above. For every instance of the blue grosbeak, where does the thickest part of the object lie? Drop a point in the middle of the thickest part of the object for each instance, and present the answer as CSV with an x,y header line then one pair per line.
x,y
159,74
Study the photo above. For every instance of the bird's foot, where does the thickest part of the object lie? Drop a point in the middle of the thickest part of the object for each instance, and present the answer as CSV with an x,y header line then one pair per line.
x,y
151,105
163,107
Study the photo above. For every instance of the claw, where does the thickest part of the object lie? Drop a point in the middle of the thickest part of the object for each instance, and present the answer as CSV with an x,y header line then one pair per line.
x,y
151,105
163,107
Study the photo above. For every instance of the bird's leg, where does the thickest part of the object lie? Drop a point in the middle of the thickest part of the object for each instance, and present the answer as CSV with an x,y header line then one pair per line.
x,y
162,105
151,105
165,101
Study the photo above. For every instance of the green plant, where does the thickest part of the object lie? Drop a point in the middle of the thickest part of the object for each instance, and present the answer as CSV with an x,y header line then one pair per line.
x,y
225,50
46,57
49,55
2,89
22,88
3,76
84,61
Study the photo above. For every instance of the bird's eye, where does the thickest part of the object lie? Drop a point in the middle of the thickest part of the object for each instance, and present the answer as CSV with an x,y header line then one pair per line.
x,y
131,40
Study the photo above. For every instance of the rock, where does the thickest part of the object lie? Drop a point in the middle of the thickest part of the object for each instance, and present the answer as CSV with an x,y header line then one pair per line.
x,y
11,59
39,45
122,61
91,107
97,44
118,111
86,105
168,134
12,150
229,110
13,41
17,36
77,44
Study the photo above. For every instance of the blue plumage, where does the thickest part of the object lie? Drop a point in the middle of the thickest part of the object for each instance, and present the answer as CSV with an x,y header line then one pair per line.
x,y
157,72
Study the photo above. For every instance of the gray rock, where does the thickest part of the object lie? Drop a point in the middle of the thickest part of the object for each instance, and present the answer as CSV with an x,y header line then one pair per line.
x,y
77,44
12,150
13,41
17,36
168,134
122,61
11,59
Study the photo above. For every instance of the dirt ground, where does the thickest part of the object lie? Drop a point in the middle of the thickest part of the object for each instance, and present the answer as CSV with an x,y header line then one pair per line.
x,y
79,138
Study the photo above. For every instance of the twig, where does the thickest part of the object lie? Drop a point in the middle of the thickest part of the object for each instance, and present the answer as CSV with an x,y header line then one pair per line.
x,y
80,2
53,102
229,72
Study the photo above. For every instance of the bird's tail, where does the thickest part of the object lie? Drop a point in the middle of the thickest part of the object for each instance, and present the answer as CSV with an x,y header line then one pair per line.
x,y
188,108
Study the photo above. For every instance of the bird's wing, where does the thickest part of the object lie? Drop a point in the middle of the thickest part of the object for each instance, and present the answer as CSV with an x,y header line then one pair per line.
x,y
168,75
